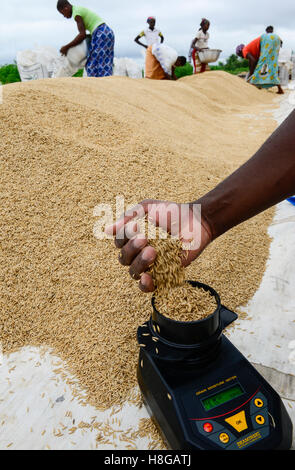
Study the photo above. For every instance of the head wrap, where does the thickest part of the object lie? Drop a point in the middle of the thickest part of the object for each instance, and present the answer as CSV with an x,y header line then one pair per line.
x,y
239,49
150,18
204,21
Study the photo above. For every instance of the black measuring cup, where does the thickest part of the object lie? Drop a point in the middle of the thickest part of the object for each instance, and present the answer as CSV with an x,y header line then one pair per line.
x,y
194,332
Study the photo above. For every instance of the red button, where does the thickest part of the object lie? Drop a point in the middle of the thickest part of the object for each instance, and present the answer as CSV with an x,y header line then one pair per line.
x,y
208,427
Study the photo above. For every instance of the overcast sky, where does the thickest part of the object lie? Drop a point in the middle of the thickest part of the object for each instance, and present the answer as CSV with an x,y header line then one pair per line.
x,y
27,23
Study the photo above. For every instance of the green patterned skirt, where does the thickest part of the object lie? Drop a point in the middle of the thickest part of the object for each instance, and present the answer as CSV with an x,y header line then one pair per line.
x,y
266,74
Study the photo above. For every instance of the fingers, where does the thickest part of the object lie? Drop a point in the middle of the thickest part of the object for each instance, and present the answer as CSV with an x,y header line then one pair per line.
x,y
146,284
131,250
116,228
125,233
138,211
140,257
180,220
135,251
142,263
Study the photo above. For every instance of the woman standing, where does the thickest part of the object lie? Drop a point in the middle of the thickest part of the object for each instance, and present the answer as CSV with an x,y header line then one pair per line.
x,y
199,43
100,59
263,55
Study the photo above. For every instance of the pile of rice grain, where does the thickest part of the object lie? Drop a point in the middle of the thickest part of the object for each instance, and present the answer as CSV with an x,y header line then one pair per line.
x,y
185,303
68,145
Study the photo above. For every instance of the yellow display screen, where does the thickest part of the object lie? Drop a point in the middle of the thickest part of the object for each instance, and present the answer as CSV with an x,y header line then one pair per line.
x,y
222,397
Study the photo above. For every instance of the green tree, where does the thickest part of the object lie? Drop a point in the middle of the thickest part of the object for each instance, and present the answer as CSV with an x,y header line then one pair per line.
x,y
9,74
234,62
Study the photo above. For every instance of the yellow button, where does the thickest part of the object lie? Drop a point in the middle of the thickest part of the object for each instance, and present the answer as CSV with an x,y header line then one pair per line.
x,y
238,421
224,438
258,402
259,419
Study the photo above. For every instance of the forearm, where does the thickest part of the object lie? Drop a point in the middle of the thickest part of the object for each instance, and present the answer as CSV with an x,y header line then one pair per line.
x,y
252,64
173,76
194,42
140,43
265,180
78,39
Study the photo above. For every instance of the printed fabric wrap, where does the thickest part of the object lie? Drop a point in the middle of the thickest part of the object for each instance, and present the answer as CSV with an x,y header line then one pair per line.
x,y
266,74
100,60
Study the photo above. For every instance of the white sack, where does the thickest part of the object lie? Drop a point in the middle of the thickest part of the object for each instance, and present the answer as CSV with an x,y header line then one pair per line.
x,y
133,69
166,56
120,69
46,62
125,67
33,72
285,55
77,56
63,68
40,58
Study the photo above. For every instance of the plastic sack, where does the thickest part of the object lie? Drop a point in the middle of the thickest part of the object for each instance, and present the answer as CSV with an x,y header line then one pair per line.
x,y
285,55
166,56
125,67
37,63
284,75
33,72
292,354
46,62
133,69
77,56
120,69
63,68
286,64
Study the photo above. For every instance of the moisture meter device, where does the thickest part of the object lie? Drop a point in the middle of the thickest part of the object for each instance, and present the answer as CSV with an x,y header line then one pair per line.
x,y
201,392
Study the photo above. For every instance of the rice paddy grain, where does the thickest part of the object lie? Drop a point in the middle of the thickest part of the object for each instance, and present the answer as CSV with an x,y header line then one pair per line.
x,y
68,145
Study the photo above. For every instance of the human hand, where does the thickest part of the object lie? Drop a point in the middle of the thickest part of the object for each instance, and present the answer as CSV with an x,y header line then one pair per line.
x,y
64,50
183,221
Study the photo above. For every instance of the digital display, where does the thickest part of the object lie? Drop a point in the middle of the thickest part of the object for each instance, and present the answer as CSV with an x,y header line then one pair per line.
x,y
222,397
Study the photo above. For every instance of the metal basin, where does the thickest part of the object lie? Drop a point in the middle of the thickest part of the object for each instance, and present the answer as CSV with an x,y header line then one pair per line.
x,y
208,56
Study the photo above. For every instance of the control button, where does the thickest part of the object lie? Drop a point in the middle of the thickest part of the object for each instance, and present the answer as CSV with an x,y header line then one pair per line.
x,y
238,421
259,403
208,427
201,428
260,420
224,438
